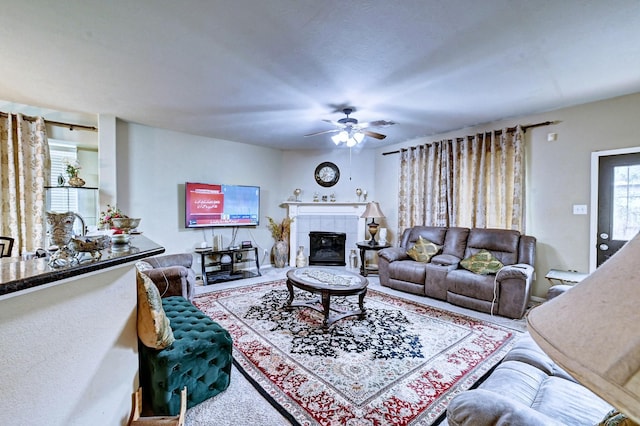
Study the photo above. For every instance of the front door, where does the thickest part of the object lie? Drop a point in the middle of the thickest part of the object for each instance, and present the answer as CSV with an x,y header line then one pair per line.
x,y
618,203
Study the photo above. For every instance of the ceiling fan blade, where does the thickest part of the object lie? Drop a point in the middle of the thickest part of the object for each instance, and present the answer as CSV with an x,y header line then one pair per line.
x,y
323,132
377,123
335,123
374,135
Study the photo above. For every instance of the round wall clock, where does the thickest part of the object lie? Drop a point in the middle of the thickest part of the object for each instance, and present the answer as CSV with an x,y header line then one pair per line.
x,y
327,174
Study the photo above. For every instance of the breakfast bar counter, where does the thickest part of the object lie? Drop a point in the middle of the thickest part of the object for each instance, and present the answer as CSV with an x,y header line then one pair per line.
x,y
17,275
69,352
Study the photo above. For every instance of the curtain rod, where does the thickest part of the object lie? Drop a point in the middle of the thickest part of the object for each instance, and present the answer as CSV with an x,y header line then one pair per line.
x,y
70,126
509,129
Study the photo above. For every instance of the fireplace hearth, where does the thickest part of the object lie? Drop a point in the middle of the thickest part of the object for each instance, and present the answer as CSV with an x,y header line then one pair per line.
x,y
327,248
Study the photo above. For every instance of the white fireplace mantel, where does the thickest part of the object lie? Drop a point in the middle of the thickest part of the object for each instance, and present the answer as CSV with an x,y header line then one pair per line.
x,y
296,210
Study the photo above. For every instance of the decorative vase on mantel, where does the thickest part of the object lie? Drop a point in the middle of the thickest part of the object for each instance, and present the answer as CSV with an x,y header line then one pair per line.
x,y
280,253
76,181
301,260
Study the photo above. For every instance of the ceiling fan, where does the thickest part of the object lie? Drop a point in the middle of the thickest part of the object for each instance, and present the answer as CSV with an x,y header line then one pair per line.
x,y
351,132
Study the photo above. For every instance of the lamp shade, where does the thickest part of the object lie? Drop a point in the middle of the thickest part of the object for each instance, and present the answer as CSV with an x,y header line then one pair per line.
x,y
372,210
593,330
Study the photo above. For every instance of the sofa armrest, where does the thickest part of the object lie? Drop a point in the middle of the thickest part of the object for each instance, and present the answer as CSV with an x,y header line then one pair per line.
x,y
480,407
446,260
514,283
519,270
391,254
171,281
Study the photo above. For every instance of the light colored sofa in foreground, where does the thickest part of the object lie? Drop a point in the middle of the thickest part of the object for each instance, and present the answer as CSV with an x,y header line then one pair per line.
x,y
503,290
527,388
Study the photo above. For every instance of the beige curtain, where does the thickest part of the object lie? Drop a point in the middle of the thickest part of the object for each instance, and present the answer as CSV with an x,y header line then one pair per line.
x,y
24,172
475,181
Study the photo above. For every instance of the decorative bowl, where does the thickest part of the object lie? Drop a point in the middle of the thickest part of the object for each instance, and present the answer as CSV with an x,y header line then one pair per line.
x,y
126,224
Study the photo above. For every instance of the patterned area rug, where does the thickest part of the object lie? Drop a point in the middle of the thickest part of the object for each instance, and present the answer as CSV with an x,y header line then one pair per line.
x,y
400,365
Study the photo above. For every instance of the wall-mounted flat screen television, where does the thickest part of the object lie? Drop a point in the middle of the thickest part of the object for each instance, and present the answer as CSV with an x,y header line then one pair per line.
x,y
208,205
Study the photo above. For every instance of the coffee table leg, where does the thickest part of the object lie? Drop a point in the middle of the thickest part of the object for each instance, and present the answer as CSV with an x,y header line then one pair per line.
x,y
363,268
326,301
290,288
361,302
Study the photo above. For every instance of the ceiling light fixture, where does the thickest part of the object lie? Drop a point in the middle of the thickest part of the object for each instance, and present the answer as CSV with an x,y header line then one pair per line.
x,y
350,138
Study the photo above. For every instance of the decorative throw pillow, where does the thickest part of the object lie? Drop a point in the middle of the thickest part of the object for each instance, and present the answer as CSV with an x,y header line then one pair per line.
x,y
483,263
154,329
423,250
141,266
616,418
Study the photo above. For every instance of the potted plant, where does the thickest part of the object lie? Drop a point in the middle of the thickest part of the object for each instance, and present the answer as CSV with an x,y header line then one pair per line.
x,y
280,233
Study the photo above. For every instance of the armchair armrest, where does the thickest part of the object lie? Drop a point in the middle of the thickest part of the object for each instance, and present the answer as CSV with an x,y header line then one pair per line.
x,y
391,254
479,407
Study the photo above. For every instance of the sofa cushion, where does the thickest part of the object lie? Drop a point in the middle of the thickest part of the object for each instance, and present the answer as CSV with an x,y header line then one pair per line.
x,y
456,242
479,407
561,400
469,284
503,243
423,250
432,233
154,329
527,350
408,270
483,263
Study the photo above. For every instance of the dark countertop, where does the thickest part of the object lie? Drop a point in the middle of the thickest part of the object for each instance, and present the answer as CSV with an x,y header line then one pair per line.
x,y
17,274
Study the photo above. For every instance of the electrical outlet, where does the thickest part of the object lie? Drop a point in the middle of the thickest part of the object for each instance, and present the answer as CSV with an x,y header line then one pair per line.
x,y
579,209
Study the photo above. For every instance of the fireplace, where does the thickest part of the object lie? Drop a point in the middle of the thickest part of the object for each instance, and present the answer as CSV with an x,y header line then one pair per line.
x,y
327,248
327,217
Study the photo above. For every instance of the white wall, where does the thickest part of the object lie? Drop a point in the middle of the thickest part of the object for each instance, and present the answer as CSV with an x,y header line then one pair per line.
x,y
558,175
153,165
69,353
356,171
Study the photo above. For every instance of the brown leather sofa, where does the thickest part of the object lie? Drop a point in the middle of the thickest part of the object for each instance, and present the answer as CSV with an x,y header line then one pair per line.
x,y
505,293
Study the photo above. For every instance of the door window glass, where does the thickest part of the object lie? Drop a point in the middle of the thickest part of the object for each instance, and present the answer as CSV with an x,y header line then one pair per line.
x,y
626,202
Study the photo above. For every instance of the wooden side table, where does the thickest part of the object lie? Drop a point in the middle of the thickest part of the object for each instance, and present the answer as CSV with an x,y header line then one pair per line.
x,y
364,246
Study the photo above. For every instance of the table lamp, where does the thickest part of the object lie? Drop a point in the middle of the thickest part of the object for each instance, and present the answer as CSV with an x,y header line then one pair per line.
x,y
592,330
372,211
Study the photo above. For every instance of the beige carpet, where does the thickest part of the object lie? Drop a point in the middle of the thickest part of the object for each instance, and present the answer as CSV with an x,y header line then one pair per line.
x,y
242,404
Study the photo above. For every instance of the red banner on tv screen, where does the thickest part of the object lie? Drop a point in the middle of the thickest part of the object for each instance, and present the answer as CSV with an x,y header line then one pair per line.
x,y
221,205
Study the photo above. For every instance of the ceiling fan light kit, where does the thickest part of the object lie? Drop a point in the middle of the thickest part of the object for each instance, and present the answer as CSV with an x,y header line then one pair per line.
x,y
351,139
350,132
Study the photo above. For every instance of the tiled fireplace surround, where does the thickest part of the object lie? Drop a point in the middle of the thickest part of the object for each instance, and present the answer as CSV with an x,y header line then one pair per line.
x,y
325,217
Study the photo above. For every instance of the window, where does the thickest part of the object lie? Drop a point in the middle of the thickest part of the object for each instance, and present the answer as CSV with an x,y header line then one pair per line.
x,y
626,202
67,199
